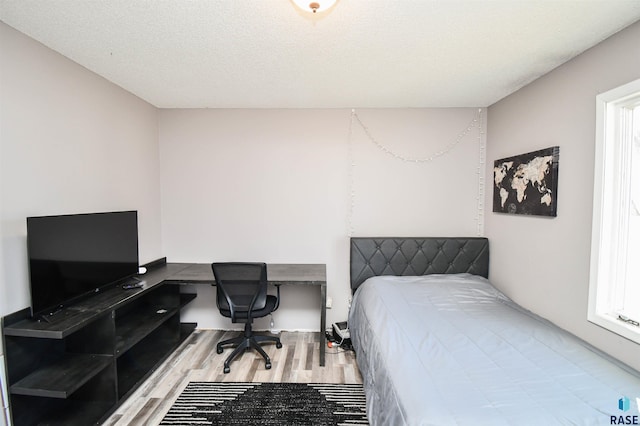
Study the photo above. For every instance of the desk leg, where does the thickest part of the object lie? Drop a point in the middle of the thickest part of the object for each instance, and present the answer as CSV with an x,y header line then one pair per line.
x,y
323,322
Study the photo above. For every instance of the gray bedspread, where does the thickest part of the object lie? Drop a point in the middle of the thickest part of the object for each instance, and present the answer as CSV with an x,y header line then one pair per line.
x,y
451,349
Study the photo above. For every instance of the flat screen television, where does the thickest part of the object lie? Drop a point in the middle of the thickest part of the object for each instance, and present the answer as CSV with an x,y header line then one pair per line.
x,y
73,256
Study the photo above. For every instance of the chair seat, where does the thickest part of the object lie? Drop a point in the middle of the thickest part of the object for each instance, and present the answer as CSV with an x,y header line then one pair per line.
x,y
268,308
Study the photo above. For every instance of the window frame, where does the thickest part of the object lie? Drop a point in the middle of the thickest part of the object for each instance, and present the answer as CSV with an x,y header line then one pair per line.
x,y
614,120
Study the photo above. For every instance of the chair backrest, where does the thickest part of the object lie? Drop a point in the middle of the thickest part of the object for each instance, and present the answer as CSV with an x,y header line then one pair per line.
x,y
239,284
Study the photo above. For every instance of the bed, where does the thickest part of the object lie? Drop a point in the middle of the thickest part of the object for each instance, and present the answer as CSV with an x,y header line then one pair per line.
x,y
437,344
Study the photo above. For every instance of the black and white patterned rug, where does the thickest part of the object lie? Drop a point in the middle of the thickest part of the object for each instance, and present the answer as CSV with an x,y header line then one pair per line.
x,y
209,403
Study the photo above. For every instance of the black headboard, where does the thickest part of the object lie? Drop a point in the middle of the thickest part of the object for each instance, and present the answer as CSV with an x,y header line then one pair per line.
x,y
417,256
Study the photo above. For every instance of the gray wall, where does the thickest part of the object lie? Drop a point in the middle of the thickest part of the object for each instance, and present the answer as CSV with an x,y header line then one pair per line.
x,y
70,142
543,263
278,186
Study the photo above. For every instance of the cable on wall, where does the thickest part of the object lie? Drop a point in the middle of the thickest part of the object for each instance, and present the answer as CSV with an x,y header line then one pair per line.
x,y
482,156
351,174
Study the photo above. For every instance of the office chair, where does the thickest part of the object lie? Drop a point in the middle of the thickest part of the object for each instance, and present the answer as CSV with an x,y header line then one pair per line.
x,y
242,296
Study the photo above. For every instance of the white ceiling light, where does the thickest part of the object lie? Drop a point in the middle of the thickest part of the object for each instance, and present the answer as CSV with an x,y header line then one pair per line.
x,y
314,6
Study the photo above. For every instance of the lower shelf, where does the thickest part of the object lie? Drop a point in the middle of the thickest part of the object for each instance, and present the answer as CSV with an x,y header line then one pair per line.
x,y
138,362
63,377
86,406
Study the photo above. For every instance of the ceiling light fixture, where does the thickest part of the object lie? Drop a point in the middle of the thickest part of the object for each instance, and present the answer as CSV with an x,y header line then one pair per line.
x,y
314,6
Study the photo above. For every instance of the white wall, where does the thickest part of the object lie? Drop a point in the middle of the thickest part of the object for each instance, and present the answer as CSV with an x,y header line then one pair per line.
x,y
70,142
543,263
275,186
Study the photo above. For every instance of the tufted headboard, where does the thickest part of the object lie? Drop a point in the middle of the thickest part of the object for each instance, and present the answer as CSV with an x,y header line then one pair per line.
x,y
417,256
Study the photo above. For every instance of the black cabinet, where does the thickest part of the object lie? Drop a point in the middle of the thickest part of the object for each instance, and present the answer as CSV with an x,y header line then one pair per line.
x,y
76,368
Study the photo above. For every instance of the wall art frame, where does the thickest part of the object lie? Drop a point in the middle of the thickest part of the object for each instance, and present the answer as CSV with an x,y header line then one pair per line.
x,y
527,184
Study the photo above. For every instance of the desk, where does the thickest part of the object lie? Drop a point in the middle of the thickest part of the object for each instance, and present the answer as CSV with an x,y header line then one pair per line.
x,y
277,274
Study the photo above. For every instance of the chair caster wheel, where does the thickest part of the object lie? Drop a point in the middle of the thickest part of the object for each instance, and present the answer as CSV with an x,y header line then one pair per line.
x,y
267,366
278,345
226,370
219,349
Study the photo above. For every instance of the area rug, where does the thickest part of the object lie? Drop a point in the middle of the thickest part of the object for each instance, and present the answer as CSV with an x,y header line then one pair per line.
x,y
209,403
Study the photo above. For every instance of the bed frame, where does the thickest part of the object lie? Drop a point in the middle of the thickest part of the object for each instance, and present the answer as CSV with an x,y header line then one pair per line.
x,y
372,256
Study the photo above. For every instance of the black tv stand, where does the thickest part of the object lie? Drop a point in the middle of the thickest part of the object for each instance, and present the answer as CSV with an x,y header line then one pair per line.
x,y
131,280
50,317
77,366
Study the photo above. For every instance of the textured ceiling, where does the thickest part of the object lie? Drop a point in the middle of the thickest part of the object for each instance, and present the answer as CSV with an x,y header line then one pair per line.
x,y
268,54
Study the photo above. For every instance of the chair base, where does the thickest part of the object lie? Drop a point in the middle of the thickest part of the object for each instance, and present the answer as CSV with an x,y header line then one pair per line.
x,y
246,341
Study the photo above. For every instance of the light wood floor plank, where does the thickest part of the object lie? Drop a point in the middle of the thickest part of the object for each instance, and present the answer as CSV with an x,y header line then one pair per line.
x,y
197,360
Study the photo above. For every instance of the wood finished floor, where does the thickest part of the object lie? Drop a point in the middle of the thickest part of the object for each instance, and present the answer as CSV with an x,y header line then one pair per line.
x,y
196,360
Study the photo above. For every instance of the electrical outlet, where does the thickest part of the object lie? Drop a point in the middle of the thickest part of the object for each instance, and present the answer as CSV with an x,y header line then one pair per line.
x,y
329,302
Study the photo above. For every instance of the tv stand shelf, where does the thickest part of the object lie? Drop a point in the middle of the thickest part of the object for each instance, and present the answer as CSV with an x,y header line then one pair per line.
x,y
62,378
82,362
137,325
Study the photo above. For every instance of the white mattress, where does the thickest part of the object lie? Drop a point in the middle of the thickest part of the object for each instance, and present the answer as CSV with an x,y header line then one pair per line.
x,y
453,350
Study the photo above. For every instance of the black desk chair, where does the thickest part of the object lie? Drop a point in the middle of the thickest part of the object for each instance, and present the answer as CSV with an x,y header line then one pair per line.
x,y
242,296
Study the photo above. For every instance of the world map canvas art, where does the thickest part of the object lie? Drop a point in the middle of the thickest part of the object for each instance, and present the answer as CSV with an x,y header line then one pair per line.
x,y
527,183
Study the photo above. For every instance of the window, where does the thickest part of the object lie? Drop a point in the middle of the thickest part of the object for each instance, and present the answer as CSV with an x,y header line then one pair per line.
x,y
614,288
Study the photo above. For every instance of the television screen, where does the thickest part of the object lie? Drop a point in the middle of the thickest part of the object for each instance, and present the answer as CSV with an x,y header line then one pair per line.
x,y
71,256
